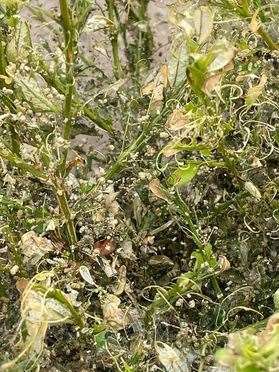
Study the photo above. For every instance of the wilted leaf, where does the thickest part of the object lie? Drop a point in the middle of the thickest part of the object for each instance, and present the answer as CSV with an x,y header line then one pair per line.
x,y
34,247
170,149
255,24
126,250
254,92
157,189
253,190
203,21
224,263
41,306
224,53
171,358
211,83
177,120
276,299
155,88
178,61
105,247
182,176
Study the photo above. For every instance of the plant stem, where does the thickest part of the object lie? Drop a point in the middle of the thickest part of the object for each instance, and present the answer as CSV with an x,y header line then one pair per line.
x,y
65,209
77,103
59,190
70,46
3,64
114,31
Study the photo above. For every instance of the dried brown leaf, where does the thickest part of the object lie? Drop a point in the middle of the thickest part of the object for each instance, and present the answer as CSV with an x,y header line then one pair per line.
x,y
157,189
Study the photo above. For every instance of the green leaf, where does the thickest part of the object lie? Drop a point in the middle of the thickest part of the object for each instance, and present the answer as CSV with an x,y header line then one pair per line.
x,y
100,339
183,176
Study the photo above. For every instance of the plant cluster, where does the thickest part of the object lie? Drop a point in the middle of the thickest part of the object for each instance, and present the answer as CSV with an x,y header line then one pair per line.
x,y
139,201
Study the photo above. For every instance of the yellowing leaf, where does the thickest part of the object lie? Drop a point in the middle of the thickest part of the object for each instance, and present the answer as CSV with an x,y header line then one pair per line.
x,y
254,92
183,176
203,21
224,54
165,75
177,120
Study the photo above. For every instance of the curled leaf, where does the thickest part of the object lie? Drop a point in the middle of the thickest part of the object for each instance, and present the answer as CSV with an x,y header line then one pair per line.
x,y
254,92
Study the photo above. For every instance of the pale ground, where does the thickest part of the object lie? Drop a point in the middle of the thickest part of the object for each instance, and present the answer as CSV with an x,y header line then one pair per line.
x,y
97,47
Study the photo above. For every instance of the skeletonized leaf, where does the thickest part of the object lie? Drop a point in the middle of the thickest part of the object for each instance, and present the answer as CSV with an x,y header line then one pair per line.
x,y
254,92
20,45
178,61
203,21
182,176
114,316
95,22
177,120
34,247
171,358
253,190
